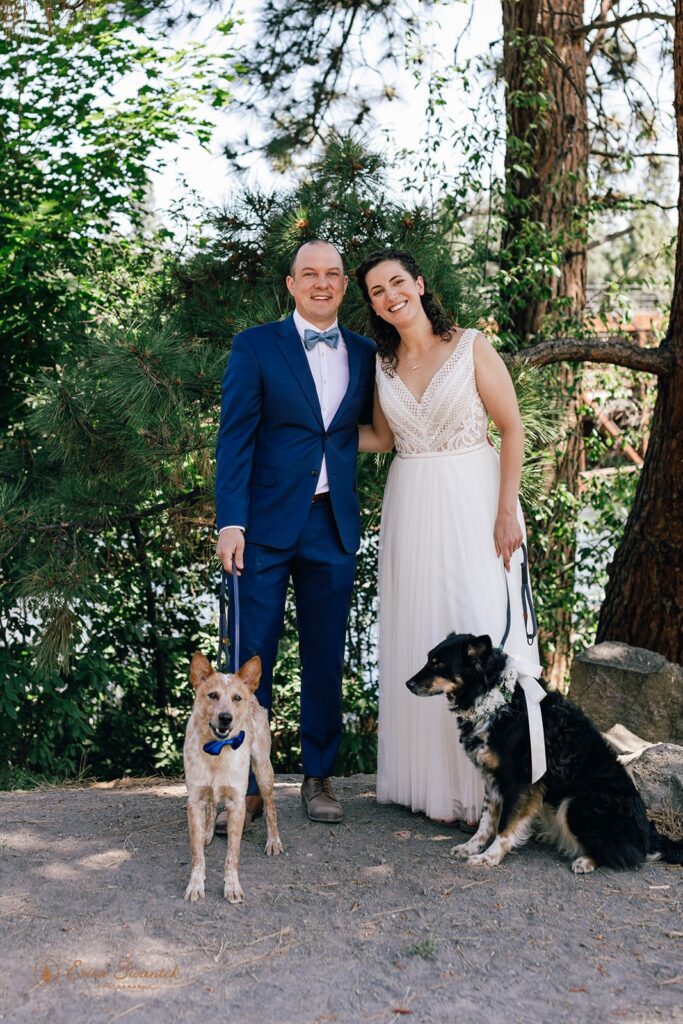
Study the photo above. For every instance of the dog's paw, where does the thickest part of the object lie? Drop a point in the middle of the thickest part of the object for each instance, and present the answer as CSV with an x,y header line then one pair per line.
x,y
195,891
583,865
483,860
273,846
464,850
232,890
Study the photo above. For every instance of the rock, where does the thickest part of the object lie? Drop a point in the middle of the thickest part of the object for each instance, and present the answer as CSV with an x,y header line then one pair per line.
x,y
658,775
613,681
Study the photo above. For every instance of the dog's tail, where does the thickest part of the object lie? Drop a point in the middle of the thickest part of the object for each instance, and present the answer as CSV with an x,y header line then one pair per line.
x,y
670,850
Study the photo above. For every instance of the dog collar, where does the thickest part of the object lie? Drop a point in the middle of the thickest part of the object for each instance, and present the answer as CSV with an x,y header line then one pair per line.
x,y
215,746
496,698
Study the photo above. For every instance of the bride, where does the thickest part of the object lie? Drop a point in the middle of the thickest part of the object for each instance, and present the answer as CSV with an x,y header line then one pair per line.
x,y
451,527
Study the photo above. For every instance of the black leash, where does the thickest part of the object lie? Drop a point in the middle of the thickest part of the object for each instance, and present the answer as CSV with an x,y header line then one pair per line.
x,y
222,660
527,603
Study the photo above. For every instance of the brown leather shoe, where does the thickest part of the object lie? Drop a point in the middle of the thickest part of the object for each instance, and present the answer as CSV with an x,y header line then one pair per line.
x,y
319,800
254,810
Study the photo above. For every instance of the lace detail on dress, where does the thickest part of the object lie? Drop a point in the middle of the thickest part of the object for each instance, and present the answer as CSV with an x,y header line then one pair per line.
x,y
450,415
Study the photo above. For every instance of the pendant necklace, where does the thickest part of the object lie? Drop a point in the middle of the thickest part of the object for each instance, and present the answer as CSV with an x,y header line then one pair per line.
x,y
417,365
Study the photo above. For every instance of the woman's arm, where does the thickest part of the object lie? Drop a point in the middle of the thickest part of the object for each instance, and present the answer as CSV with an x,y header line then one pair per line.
x,y
498,395
375,437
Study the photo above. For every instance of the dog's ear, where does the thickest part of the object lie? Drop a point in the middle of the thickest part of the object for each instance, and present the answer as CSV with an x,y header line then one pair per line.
x,y
479,649
250,673
200,669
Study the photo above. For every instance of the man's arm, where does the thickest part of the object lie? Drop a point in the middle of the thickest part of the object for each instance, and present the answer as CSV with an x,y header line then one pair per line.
x,y
240,415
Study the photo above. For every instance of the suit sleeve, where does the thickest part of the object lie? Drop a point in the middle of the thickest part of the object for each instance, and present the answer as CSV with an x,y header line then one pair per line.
x,y
366,410
240,416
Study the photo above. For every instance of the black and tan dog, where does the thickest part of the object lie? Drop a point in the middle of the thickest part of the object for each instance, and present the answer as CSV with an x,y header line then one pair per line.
x,y
585,804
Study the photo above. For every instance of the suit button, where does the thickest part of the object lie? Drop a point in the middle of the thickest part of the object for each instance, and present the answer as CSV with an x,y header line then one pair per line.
x,y
314,472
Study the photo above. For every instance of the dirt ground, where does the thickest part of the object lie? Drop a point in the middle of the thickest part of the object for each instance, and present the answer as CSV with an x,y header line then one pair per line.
x,y
368,921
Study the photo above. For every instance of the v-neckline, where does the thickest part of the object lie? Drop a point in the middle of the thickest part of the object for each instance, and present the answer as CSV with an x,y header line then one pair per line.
x,y
420,400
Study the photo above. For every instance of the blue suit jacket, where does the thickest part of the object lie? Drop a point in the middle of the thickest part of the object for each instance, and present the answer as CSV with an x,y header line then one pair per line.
x,y
272,437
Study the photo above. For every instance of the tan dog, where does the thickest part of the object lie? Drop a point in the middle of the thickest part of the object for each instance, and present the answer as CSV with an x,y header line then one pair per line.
x,y
224,706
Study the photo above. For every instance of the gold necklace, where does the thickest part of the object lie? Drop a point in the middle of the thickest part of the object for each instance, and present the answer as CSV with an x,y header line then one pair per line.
x,y
426,353
418,365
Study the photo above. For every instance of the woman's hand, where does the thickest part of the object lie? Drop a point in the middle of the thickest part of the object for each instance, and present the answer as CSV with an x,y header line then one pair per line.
x,y
499,398
507,535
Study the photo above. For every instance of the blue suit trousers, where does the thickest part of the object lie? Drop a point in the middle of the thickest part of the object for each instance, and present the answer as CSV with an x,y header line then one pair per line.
x,y
322,574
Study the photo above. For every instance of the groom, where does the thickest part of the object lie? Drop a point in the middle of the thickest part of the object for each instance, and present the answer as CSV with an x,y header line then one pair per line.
x,y
286,503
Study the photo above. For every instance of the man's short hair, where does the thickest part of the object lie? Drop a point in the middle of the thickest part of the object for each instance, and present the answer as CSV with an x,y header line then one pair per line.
x,y
312,241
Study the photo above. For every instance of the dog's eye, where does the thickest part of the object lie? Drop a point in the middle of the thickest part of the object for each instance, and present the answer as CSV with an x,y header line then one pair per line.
x,y
213,695
237,698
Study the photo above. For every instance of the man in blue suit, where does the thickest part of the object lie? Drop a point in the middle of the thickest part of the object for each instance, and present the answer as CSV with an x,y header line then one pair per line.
x,y
293,395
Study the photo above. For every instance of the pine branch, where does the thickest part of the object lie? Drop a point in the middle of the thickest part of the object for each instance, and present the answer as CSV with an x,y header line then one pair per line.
x,y
615,351
632,156
611,237
623,20
126,516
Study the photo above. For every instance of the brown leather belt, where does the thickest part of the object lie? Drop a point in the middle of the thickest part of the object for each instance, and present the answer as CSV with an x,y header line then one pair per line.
x,y
324,496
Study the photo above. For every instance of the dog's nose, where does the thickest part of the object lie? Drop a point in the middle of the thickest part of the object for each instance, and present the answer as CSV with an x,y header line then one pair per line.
x,y
224,720
411,685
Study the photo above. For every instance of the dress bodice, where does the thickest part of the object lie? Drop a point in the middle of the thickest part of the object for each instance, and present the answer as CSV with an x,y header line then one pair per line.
x,y
450,416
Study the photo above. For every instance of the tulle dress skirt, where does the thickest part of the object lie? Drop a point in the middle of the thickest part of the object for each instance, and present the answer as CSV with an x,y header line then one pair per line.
x,y
438,573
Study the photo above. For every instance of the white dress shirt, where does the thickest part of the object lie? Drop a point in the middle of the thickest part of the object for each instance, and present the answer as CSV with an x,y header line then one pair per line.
x,y
330,371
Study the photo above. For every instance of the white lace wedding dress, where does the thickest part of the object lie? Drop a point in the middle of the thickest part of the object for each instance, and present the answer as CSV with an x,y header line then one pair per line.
x,y
438,573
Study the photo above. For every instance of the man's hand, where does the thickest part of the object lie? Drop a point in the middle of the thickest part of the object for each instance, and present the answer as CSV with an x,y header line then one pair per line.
x,y
230,545
507,534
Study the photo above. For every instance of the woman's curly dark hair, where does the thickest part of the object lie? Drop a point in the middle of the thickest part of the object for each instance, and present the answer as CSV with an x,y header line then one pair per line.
x,y
386,336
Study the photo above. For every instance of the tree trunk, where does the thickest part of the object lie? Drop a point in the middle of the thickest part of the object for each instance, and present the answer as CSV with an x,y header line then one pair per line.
x,y
643,603
546,166
546,160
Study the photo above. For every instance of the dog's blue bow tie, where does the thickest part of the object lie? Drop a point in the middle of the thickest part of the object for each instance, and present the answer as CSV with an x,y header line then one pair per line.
x,y
311,338
215,746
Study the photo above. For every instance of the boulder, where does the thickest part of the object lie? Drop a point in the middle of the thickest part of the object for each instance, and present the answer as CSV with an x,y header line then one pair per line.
x,y
658,775
614,682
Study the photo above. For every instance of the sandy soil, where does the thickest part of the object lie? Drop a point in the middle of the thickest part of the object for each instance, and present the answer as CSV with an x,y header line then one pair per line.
x,y
367,921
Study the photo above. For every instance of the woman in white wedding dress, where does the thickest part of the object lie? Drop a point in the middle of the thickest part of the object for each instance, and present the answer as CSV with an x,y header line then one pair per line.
x,y
451,527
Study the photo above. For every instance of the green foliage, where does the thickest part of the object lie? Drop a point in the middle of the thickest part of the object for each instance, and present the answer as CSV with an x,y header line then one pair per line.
x,y
104,540
83,107
595,520
425,948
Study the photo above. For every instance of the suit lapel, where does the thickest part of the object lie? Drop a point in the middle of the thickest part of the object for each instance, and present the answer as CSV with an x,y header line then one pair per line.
x,y
292,349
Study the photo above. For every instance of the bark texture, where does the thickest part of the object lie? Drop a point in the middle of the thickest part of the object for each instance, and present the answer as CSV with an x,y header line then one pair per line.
x,y
643,603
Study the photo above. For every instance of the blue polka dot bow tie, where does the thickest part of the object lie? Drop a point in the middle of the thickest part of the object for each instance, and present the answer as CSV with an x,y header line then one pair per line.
x,y
215,746
311,338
